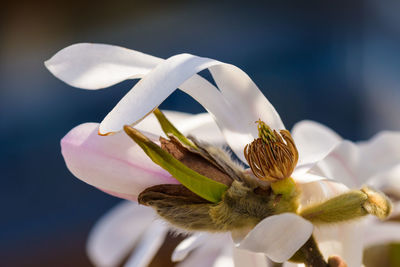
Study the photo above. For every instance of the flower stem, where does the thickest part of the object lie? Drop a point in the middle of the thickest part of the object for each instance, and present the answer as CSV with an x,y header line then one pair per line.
x,y
311,255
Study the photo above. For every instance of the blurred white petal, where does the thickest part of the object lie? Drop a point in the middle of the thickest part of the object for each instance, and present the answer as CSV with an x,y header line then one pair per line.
x,y
313,141
187,245
117,232
382,233
387,181
114,163
208,252
378,155
225,258
244,258
278,236
344,239
150,243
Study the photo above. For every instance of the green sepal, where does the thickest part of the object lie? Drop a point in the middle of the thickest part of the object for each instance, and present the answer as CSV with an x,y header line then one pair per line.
x,y
195,182
168,128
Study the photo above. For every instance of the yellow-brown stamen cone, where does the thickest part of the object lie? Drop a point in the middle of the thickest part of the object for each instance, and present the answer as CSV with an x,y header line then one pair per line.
x,y
273,156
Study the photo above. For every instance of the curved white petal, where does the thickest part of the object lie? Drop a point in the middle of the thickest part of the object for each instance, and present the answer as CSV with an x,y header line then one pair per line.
x,y
278,236
95,66
117,232
187,245
313,141
150,243
114,163
341,165
382,233
236,107
225,258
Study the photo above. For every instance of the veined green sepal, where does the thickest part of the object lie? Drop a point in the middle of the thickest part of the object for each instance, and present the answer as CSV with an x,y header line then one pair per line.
x,y
168,128
195,182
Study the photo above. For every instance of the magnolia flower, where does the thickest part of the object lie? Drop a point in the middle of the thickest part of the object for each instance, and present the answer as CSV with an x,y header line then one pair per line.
x,y
126,225
119,167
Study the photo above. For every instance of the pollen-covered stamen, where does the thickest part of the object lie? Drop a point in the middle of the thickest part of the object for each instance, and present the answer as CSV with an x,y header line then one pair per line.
x,y
273,156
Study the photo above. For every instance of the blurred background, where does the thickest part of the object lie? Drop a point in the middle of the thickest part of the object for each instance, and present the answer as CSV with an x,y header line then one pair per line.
x,y
336,62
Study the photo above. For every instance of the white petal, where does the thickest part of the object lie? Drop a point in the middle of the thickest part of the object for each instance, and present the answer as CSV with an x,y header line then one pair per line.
x,y
313,141
116,233
341,165
387,181
151,241
344,240
207,253
203,127
95,66
225,258
244,258
187,245
382,233
112,163
179,119
236,122
379,154
278,236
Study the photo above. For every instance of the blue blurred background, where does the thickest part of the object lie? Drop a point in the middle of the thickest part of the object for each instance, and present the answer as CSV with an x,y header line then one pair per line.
x,y
336,62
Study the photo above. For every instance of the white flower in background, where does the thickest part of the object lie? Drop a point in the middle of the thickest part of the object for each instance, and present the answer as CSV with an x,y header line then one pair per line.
x,y
118,166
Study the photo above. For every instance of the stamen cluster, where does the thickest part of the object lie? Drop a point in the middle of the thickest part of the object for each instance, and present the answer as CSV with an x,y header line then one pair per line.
x,y
273,156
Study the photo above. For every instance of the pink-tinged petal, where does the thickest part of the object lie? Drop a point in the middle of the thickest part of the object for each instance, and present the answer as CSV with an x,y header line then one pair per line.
x,y
341,165
113,163
236,122
206,253
278,236
117,232
344,240
382,233
244,258
379,154
313,141
96,66
150,243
